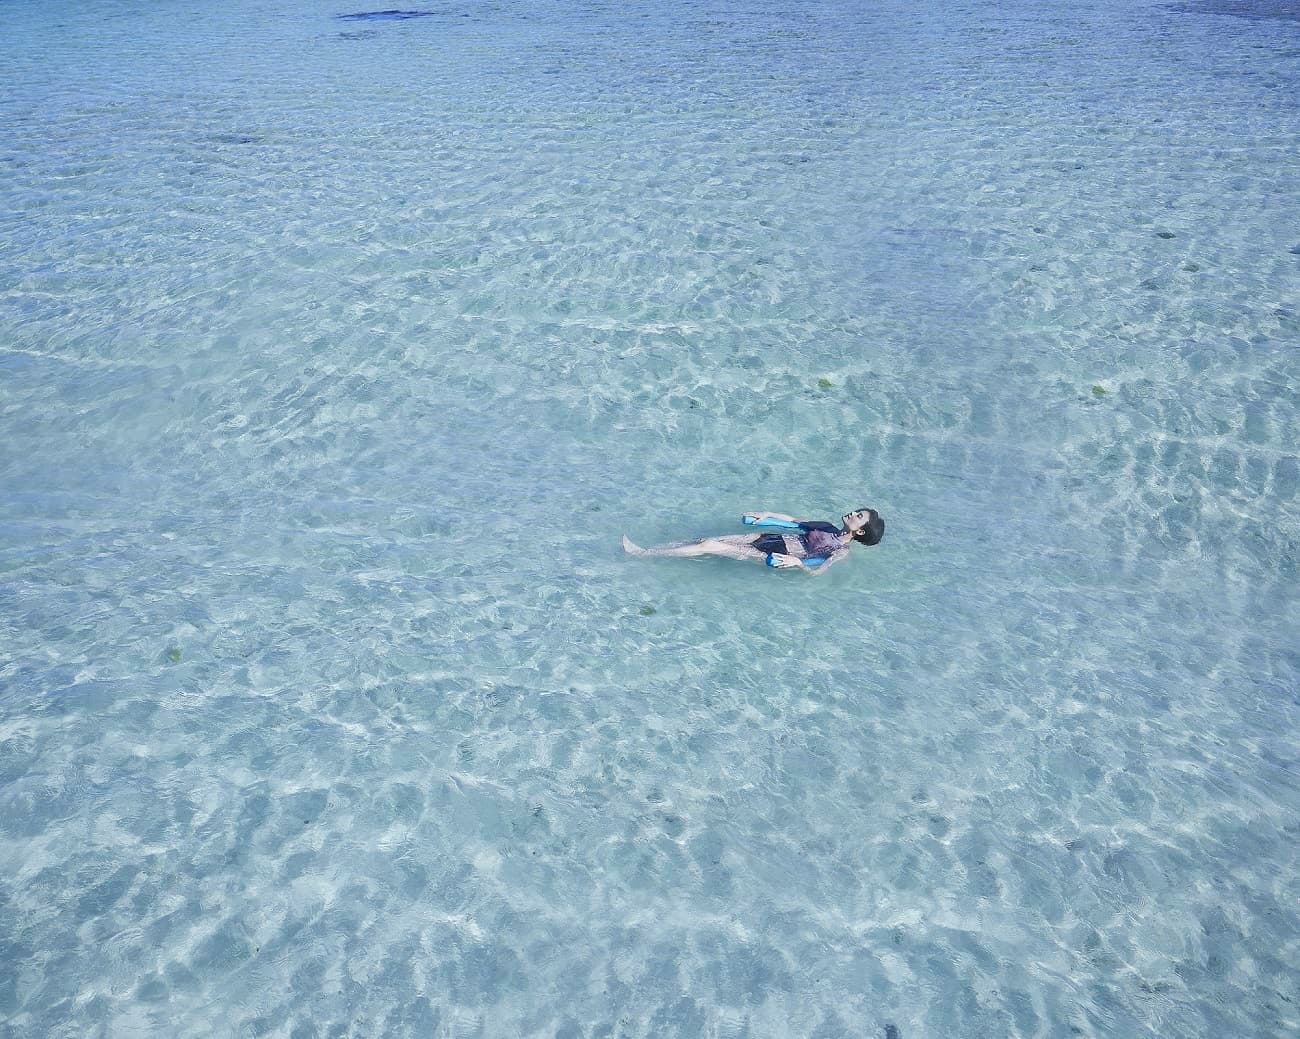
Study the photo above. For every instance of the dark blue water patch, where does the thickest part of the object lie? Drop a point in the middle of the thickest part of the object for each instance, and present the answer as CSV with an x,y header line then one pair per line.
x,y
1255,10
383,16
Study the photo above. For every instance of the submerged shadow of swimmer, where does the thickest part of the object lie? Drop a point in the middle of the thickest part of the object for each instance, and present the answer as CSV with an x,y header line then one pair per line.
x,y
382,16
810,545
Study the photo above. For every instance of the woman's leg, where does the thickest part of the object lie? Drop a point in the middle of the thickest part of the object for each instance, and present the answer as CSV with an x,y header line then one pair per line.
x,y
733,546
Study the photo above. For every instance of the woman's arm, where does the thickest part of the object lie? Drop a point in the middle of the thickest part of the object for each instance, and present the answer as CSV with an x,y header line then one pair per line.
x,y
831,560
785,562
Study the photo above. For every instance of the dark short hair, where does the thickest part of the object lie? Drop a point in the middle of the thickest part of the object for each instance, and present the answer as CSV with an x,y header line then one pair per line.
x,y
874,529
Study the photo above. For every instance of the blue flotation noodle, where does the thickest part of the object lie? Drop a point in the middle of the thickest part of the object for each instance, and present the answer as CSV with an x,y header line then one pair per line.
x,y
779,524
806,560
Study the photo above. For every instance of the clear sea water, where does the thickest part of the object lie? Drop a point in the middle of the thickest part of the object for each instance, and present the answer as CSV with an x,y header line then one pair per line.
x,y
336,356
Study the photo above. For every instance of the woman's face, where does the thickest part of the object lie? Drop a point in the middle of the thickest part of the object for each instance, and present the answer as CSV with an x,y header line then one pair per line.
x,y
855,521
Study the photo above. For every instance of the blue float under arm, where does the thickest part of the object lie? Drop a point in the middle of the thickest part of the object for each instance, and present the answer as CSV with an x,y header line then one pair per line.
x,y
771,522
809,561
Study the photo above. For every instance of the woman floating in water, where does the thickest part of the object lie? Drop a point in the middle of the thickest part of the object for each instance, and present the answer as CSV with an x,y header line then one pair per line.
x,y
810,545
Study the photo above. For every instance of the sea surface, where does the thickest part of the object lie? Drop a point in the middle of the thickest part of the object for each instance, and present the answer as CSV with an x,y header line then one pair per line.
x,y
336,355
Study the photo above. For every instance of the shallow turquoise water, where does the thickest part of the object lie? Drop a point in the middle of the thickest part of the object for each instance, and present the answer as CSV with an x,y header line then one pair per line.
x,y
336,355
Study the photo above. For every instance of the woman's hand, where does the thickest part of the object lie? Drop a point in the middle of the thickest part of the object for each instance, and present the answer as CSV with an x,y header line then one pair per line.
x,y
782,562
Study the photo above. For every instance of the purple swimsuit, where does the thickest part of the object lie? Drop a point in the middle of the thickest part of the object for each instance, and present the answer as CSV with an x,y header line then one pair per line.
x,y
820,543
